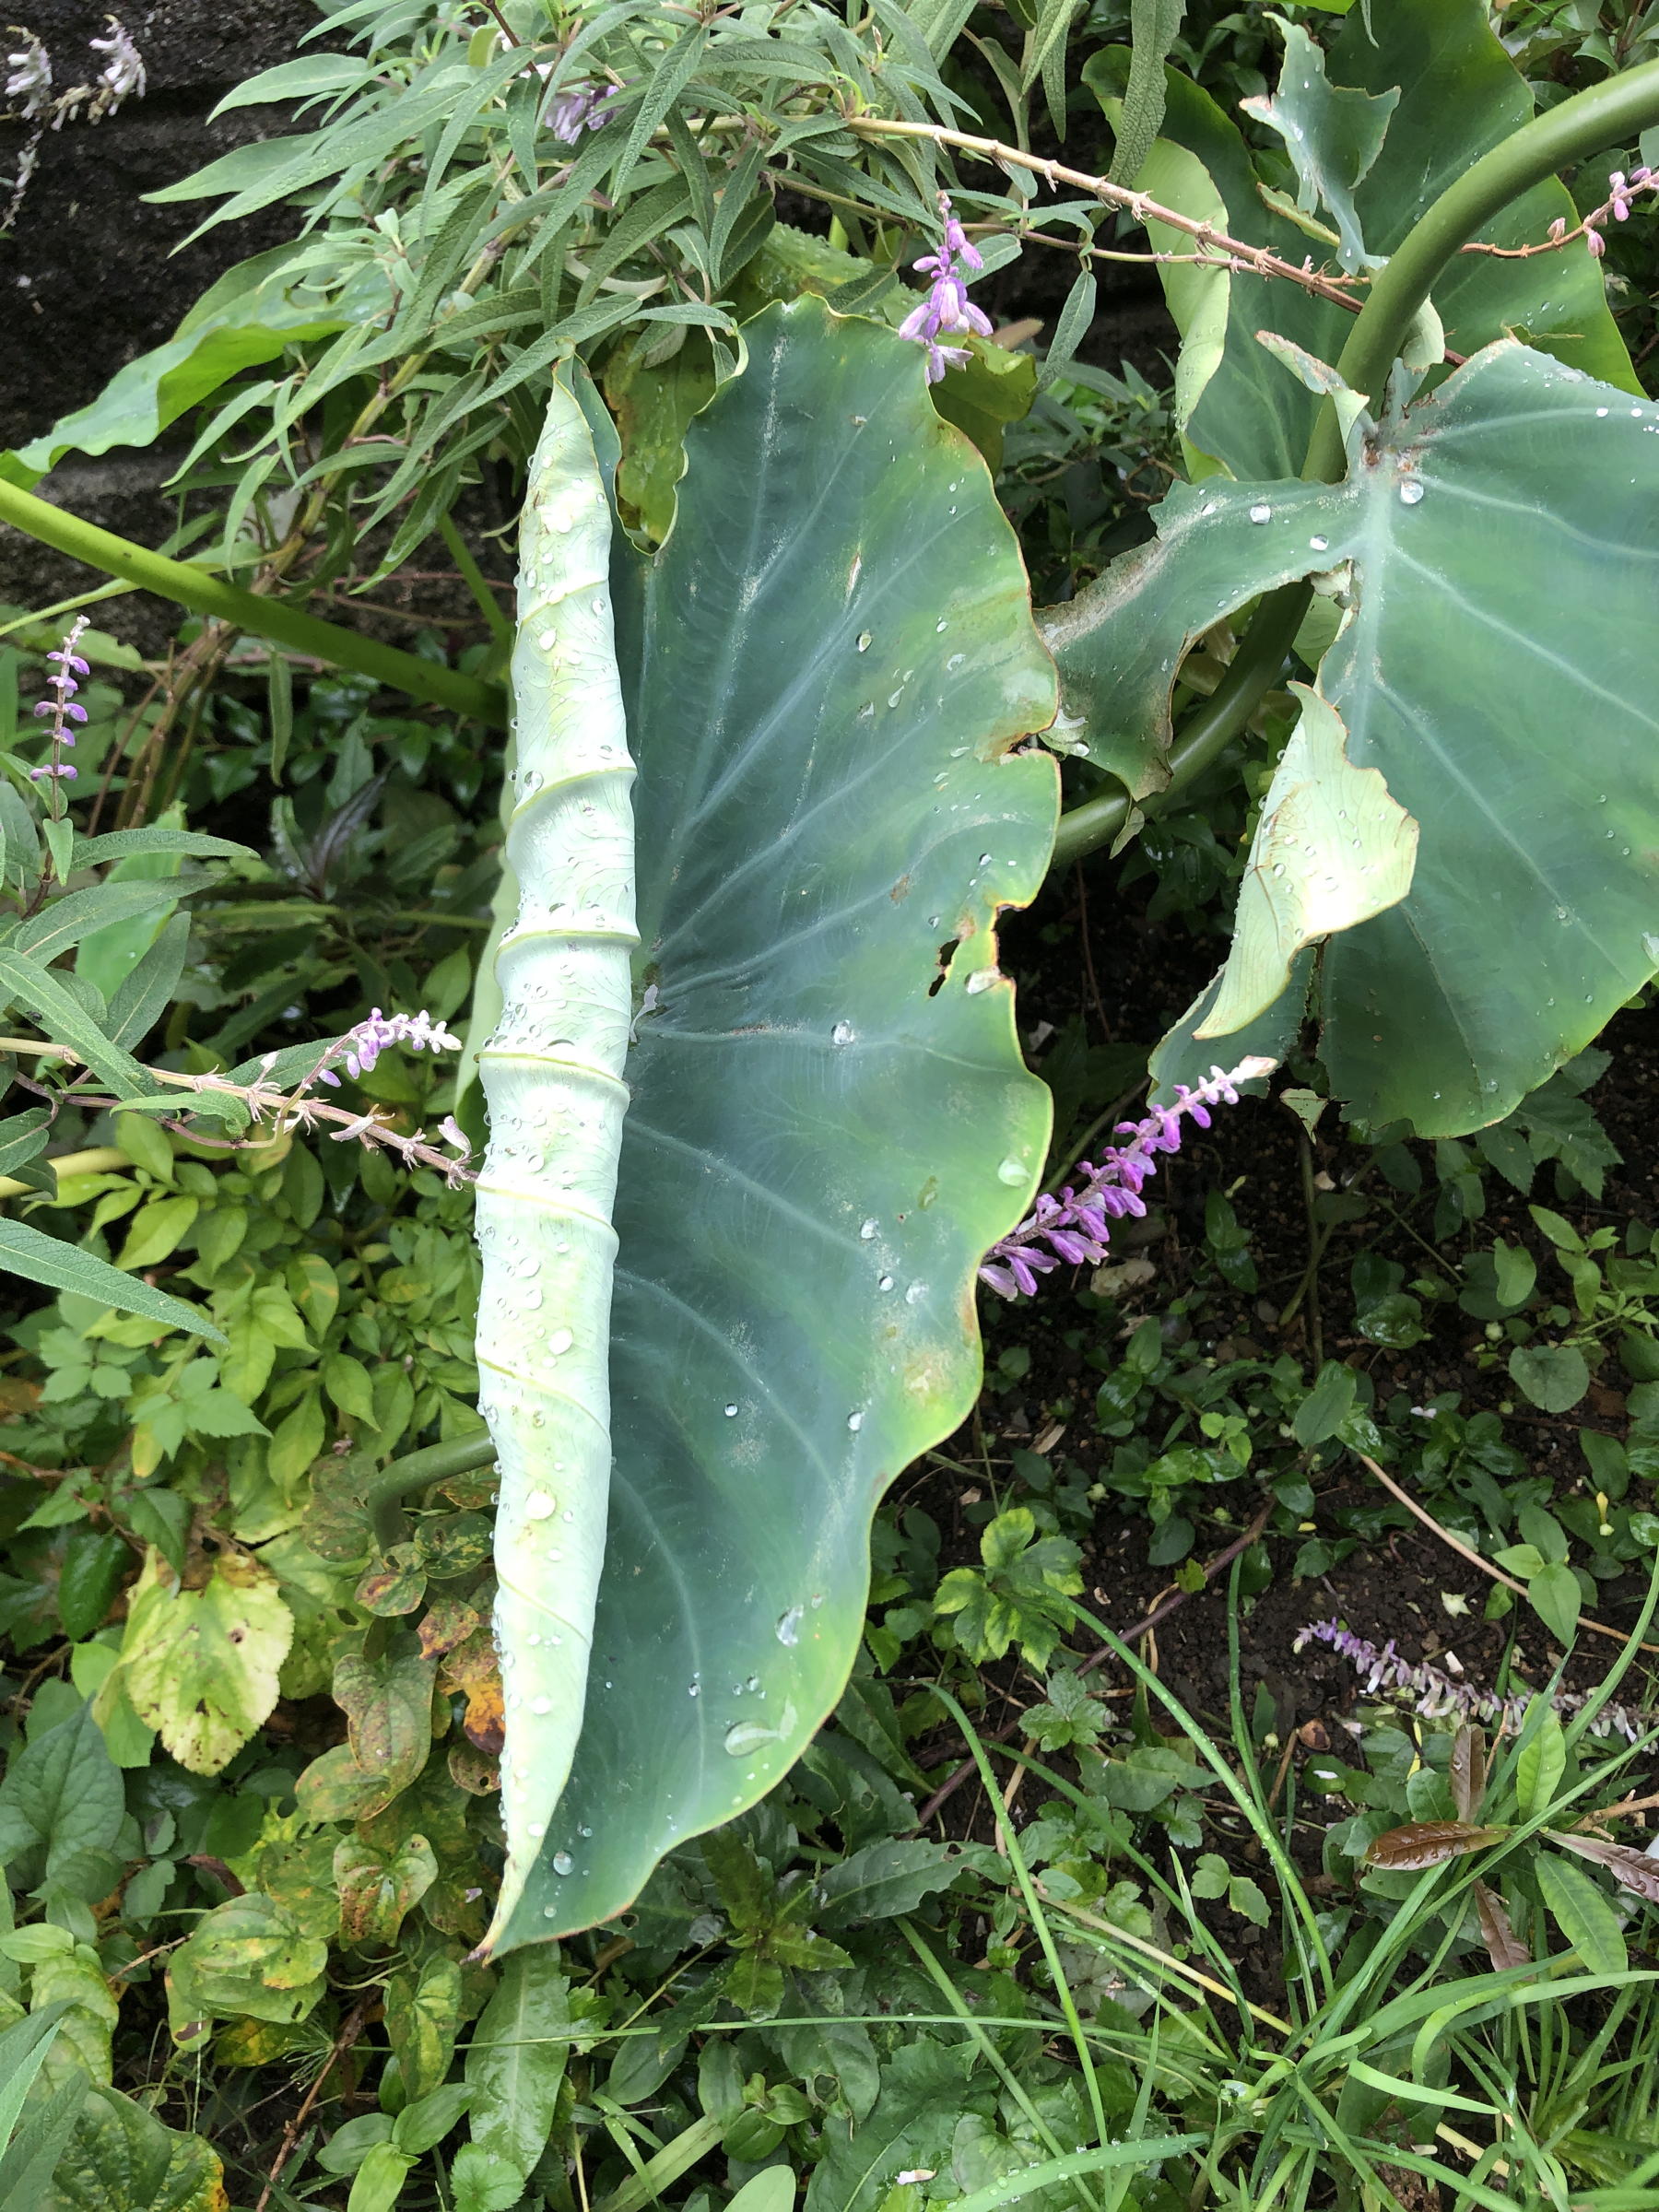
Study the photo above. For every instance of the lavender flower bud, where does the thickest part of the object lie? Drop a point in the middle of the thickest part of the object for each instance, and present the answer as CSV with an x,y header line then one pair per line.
x,y
946,306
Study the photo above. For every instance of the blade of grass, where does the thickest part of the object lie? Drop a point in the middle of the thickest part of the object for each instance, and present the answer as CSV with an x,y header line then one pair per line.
x,y
988,2050
1016,1858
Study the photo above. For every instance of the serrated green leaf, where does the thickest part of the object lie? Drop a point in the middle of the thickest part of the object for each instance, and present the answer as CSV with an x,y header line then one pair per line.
x,y
93,1563
121,2155
62,1792
515,2061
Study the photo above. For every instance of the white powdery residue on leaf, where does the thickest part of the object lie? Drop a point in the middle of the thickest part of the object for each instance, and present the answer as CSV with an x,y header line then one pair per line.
x,y
552,1076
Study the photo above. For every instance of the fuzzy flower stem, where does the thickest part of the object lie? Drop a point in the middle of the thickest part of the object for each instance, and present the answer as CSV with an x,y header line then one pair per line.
x,y
296,1109
1073,1228
64,714
1437,1695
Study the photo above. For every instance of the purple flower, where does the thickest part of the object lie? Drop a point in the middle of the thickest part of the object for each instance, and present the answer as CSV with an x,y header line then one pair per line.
x,y
947,309
1437,1695
61,708
363,1046
580,107
1073,1228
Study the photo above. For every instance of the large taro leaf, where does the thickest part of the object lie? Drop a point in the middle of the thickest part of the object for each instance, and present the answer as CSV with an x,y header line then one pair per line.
x,y
1499,667
1460,95
825,667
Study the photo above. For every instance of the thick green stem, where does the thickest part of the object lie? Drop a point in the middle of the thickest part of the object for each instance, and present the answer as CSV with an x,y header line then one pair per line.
x,y
418,1471
190,586
1609,115
1612,114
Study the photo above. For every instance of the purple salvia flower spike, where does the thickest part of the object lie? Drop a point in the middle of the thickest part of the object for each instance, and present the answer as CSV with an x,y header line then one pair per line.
x,y
1074,1224
947,308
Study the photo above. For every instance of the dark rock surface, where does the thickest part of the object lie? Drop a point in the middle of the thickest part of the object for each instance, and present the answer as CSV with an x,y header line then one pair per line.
x,y
89,275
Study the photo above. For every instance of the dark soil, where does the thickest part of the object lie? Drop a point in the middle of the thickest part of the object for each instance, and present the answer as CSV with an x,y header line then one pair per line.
x,y
1145,977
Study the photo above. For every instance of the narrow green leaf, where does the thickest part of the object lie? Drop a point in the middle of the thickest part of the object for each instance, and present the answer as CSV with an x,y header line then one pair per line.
x,y
66,1020
120,844
1153,25
279,683
66,921
1072,328
48,1260
1584,1916
303,79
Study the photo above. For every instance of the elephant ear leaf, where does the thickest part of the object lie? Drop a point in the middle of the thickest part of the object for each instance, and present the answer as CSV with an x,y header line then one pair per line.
x,y
827,669
1448,989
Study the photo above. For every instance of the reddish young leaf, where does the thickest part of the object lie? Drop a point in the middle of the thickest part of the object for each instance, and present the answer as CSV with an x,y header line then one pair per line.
x,y
1428,1843
1468,1772
1504,1948
1627,1866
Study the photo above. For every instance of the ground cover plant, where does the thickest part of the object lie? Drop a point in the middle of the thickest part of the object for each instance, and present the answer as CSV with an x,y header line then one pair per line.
x,y
546,1661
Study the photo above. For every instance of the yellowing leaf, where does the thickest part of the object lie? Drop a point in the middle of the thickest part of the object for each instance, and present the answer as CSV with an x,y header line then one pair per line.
x,y
201,1665
120,2154
157,1231
1332,849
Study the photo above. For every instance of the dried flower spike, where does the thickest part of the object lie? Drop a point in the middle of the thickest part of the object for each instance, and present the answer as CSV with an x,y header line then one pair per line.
x,y
1437,1695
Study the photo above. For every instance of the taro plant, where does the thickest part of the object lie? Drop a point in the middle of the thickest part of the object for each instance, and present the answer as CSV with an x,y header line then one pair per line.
x,y
757,1111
